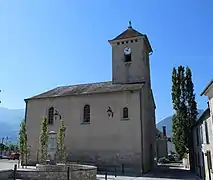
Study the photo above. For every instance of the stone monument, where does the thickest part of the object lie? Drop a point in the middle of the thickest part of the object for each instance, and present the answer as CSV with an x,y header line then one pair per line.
x,y
52,147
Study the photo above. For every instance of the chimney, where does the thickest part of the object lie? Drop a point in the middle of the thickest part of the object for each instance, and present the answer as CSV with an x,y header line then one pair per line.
x,y
164,131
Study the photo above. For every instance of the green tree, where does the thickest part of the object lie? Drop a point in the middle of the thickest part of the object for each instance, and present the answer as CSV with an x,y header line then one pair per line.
x,y
23,141
11,147
178,96
185,106
61,150
191,113
43,141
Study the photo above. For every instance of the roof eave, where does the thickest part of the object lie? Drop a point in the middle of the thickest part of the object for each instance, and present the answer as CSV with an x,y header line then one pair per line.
x,y
207,88
148,43
200,120
52,97
123,39
136,37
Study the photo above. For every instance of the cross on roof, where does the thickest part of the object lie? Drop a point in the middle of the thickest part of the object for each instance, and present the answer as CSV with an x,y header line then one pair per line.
x,y
130,24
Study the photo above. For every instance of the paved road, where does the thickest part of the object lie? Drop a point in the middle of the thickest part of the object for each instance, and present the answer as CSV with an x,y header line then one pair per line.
x,y
175,173
7,164
172,172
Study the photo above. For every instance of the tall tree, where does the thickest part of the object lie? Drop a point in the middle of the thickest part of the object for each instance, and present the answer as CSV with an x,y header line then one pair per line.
x,y
43,141
178,99
184,104
23,141
61,151
191,113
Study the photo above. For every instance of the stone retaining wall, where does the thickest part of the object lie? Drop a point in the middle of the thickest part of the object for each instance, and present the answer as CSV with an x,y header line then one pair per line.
x,y
59,172
53,172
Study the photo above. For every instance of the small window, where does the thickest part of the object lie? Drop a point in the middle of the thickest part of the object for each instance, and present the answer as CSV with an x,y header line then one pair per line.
x,y
209,161
86,114
131,41
198,158
127,42
207,133
122,42
128,58
118,43
125,113
197,136
50,115
136,40
201,135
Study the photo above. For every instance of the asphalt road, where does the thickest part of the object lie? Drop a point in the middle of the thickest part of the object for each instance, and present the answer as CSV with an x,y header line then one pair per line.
x,y
7,164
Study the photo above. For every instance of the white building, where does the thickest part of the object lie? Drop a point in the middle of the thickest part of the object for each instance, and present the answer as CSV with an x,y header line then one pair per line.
x,y
203,138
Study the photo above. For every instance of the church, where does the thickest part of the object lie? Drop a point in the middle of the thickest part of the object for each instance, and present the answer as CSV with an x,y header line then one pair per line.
x,y
107,123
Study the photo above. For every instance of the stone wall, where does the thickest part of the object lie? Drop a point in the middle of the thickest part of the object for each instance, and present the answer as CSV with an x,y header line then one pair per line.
x,y
59,172
105,157
109,160
161,148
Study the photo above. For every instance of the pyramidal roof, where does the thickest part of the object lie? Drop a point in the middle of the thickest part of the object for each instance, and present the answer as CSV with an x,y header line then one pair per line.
x,y
128,33
132,33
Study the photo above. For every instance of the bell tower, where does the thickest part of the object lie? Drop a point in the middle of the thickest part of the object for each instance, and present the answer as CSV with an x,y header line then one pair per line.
x,y
130,57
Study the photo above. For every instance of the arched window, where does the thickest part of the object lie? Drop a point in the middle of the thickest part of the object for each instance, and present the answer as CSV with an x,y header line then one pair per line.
x,y
86,113
125,113
50,115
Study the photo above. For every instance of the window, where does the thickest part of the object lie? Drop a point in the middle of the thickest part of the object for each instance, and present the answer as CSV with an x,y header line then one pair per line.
x,y
209,161
86,114
198,158
128,58
207,133
201,135
50,115
197,136
125,113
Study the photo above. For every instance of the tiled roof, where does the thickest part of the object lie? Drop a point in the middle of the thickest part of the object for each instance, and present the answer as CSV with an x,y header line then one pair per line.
x,y
91,88
129,33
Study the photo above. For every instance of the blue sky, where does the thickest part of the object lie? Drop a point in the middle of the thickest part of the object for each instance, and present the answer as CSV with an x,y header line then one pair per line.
x,y
48,43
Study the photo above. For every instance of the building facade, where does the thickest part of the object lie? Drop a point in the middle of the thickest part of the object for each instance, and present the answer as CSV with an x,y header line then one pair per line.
x,y
108,123
161,143
203,138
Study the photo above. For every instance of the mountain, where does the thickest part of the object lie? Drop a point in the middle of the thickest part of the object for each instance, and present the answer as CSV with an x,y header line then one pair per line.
x,y
9,123
168,123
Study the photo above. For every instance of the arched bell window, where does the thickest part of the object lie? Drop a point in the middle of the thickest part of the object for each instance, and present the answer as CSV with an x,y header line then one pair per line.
x,y
86,113
50,115
125,113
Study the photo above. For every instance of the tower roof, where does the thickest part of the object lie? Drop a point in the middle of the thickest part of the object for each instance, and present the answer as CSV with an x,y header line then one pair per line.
x,y
128,33
131,33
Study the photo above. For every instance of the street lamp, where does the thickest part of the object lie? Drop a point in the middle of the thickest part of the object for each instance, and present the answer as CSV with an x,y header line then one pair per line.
x,y
57,114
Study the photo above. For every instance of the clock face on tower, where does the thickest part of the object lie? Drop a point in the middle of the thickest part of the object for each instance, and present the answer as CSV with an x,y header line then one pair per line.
x,y
127,50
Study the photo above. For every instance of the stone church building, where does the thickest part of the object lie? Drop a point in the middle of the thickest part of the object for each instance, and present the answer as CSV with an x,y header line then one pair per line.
x,y
107,123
